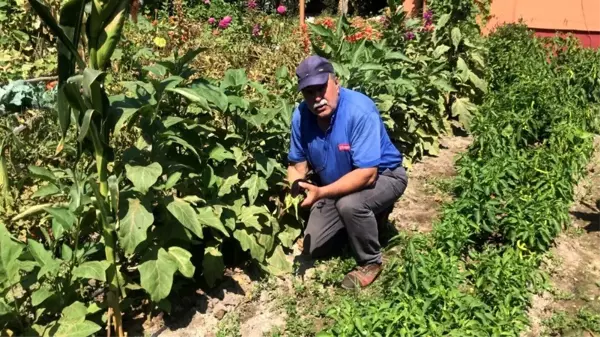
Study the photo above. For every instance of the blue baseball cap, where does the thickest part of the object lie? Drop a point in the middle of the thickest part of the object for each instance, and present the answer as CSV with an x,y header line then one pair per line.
x,y
313,70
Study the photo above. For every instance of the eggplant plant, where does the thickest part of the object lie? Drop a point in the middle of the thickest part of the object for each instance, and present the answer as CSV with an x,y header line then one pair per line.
x,y
202,171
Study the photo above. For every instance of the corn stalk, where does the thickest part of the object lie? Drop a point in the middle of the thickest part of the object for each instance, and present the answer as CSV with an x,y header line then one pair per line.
x,y
82,98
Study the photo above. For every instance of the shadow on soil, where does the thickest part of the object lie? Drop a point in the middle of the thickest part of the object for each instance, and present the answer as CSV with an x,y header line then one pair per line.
x,y
592,217
192,300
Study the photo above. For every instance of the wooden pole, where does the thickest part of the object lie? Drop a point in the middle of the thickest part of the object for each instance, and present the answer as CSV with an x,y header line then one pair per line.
x,y
301,12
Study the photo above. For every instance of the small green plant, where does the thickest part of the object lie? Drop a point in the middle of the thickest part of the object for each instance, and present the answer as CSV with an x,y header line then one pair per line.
x,y
229,326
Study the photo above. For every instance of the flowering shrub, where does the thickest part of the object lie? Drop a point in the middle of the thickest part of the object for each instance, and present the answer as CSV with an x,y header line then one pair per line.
x,y
363,31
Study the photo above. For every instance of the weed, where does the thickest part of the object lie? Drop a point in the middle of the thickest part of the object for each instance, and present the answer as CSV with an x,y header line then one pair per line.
x,y
229,326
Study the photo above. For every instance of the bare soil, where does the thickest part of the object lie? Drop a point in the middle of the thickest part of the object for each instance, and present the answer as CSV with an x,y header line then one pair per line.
x,y
247,308
574,266
419,207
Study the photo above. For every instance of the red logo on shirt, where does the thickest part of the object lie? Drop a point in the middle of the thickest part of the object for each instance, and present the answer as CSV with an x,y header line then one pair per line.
x,y
344,147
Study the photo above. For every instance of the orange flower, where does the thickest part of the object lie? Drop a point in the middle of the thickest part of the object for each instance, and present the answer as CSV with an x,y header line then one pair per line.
x,y
51,85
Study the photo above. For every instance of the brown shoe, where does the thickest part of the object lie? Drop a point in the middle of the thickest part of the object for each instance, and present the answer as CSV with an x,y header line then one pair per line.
x,y
362,276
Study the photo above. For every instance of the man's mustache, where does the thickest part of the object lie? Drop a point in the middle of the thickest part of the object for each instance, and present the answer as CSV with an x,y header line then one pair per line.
x,y
319,104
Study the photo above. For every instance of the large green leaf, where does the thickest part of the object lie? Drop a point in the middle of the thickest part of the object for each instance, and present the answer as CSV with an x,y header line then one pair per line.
x,y
219,153
456,37
92,270
248,243
264,164
227,184
278,264
463,108
320,30
207,216
143,177
184,263
184,143
134,224
79,329
124,118
42,173
463,69
443,85
213,95
4,308
157,275
395,56
92,78
192,95
239,155
478,82
158,70
43,258
74,313
63,216
235,78
440,51
186,215
63,110
212,265
442,21
249,216
371,67
70,21
254,185
45,191
40,295
288,236
85,124
238,102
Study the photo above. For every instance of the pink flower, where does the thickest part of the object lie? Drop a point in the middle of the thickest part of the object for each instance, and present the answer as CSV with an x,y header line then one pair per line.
x,y
224,23
256,30
252,4
281,9
207,2
211,21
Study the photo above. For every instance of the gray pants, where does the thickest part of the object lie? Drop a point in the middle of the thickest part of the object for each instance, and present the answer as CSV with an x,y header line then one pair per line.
x,y
357,214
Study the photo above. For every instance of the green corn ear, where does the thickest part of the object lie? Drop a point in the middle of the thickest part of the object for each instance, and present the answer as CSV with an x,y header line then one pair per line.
x,y
111,35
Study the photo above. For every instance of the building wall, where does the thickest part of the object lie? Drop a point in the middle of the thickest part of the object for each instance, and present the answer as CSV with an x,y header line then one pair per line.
x,y
580,17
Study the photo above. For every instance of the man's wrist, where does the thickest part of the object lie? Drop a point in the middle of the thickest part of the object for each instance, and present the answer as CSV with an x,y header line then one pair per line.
x,y
325,192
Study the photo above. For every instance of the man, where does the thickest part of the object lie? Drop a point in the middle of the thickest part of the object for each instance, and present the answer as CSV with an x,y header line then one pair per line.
x,y
339,134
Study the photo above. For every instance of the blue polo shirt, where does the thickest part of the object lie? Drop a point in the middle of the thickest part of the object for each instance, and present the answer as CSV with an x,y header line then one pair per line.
x,y
356,138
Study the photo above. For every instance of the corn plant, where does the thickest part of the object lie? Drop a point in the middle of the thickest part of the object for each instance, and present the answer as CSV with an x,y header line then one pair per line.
x,y
202,170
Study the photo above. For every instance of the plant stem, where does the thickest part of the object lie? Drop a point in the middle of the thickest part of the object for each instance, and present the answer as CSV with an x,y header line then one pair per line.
x,y
108,234
101,162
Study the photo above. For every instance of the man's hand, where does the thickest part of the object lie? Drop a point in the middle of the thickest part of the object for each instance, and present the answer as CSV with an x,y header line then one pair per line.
x,y
313,194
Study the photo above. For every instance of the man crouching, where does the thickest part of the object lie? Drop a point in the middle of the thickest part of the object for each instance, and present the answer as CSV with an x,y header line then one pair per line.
x,y
339,134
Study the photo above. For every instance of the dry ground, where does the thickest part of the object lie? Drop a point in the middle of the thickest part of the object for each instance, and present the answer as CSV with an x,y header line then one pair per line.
x,y
574,268
247,308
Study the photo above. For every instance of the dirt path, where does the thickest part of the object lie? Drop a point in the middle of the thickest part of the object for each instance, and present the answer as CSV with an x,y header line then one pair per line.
x,y
288,306
428,187
574,268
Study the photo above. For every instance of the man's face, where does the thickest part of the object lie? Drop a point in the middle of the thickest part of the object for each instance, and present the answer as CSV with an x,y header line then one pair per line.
x,y
322,99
